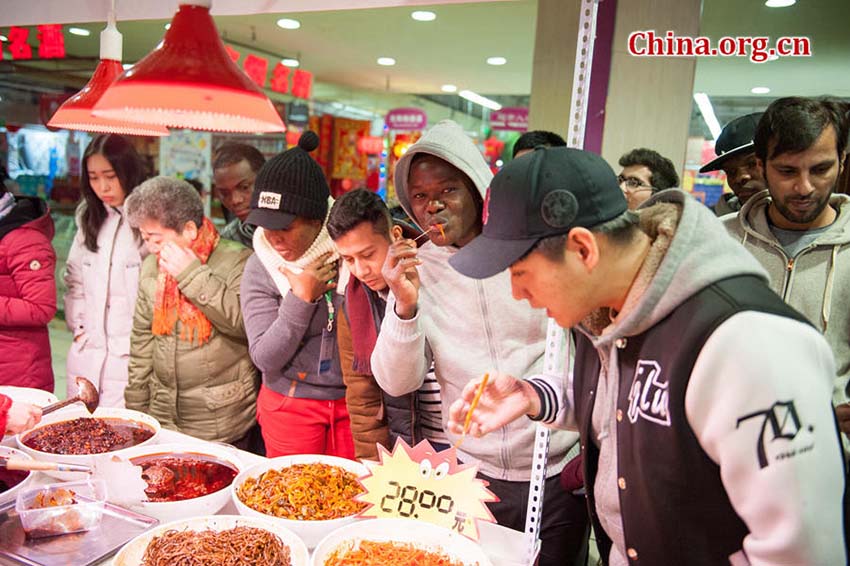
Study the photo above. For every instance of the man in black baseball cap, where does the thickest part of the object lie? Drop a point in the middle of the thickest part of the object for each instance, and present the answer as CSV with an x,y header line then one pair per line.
x,y
682,357
736,157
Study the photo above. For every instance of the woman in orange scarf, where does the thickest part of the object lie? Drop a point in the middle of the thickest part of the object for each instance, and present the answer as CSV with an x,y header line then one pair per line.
x,y
189,363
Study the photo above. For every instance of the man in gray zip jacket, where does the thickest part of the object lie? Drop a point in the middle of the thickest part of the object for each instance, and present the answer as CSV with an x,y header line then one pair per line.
x,y
798,229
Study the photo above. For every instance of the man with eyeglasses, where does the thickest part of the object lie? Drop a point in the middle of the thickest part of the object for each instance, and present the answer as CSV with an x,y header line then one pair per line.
x,y
645,172
737,158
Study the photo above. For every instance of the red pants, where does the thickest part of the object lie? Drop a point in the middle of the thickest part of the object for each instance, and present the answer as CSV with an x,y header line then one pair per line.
x,y
303,426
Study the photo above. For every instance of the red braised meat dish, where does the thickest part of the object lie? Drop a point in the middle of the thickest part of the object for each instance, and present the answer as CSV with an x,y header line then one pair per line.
x,y
179,477
11,478
87,436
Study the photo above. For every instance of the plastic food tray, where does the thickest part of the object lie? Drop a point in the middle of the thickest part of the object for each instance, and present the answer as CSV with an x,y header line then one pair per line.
x,y
118,526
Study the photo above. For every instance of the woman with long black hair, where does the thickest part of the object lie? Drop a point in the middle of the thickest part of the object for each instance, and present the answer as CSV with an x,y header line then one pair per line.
x,y
102,273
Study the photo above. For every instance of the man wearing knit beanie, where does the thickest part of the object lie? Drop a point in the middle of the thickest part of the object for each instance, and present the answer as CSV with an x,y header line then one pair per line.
x,y
469,327
289,302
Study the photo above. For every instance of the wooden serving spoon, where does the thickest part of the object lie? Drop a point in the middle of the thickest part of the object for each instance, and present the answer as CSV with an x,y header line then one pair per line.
x,y
87,393
22,464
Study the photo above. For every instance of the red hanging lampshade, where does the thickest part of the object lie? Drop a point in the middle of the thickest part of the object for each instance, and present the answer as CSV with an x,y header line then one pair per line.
x,y
76,112
189,81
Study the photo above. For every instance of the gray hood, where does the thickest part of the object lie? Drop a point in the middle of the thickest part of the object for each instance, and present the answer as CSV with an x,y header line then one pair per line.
x,y
447,141
752,218
699,252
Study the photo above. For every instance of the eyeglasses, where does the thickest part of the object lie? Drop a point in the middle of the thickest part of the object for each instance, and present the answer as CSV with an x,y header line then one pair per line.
x,y
632,184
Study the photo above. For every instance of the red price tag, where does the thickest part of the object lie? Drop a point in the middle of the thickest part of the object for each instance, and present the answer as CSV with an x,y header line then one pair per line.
x,y
420,483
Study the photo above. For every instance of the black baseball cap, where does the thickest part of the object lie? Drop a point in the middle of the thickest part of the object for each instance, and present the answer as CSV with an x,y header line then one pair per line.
x,y
735,139
544,193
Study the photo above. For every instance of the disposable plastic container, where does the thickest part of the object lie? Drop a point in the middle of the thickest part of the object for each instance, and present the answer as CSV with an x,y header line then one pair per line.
x,y
85,513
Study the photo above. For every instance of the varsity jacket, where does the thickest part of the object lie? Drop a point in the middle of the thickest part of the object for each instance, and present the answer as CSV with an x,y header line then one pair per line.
x,y
704,409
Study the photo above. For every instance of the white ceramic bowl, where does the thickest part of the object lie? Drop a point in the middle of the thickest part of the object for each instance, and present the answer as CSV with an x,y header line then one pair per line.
x,y
209,504
133,551
11,494
37,397
423,535
310,531
72,413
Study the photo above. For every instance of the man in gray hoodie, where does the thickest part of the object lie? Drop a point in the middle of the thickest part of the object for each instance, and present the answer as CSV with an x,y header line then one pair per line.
x,y
468,327
702,399
799,229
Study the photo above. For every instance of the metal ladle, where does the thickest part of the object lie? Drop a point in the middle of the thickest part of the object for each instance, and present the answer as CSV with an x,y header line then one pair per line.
x,y
86,392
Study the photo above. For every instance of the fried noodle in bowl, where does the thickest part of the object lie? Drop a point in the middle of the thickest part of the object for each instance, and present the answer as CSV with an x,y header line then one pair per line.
x,y
218,540
309,494
375,542
239,545
303,492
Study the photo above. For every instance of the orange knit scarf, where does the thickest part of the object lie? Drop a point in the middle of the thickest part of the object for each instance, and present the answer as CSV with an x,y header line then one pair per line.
x,y
170,303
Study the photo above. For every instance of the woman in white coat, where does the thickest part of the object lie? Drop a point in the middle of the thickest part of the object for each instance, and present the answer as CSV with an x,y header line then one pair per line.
x,y
102,272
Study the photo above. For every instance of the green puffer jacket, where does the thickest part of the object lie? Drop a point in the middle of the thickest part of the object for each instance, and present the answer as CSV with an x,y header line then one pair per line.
x,y
207,391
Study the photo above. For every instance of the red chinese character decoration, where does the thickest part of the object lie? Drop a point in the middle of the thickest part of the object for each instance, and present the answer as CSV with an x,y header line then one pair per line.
x,y
302,84
18,43
52,42
256,68
232,53
280,78
370,145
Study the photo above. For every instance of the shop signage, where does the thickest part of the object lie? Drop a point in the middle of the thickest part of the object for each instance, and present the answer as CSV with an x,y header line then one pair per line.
x,y
51,42
421,483
406,119
257,68
515,119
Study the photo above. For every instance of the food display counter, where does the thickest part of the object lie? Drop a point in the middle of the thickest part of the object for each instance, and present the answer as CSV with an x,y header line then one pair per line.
x,y
504,547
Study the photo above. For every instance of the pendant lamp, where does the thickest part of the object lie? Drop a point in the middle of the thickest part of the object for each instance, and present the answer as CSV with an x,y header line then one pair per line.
x,y
189,81
76,112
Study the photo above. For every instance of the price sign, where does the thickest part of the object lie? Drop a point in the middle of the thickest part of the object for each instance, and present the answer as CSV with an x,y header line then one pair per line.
x,y
421,483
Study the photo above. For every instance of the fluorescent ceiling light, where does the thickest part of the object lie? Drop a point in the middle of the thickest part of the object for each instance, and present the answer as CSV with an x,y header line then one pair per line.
x,y
290,62
779,3
707,112
79,31
386,61
288,23
448,88
423,16
478,99
496,61
759,90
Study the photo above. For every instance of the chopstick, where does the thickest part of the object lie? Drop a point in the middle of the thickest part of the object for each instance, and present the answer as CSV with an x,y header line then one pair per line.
x,y
468,421
423,234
